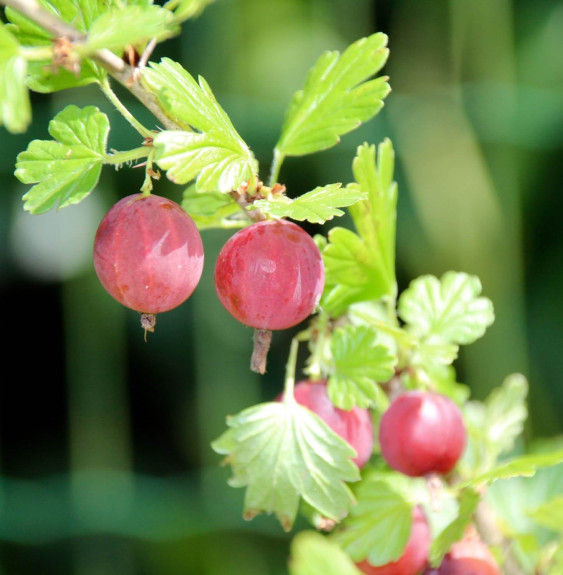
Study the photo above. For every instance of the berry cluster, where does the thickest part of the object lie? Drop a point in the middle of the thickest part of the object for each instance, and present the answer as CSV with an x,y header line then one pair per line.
x,y
148,255
420,434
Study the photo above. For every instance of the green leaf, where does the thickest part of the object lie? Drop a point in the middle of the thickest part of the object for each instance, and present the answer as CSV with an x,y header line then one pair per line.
x,y
337,97
337,299
448,308
378,527
122,26
317,206
349,261
42,76
185,9
359,364
376,218
506,412
79,13
361,267
64,170
213,210
190,104
15,107
469,499
493,425
215,154
550,514
433,353
281,451
208,158
313,553
525,465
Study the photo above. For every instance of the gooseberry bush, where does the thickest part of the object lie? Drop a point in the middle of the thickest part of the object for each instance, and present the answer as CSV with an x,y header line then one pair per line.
x,y
378,447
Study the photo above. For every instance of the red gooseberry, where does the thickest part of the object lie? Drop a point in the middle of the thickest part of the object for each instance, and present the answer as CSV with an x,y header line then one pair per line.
x,y
270,275
148,253
421,433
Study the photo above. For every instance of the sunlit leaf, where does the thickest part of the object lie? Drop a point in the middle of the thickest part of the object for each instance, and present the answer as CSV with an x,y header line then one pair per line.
x,y
312,554
378,527
214,154
525,465
316,206
506,412
282,452
449,308
208,158
375,219
185,9
66,169
360,362
338,96
119,27
550,514
15,107
42,76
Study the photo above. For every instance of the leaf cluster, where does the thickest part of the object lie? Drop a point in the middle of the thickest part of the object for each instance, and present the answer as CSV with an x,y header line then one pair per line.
x,y
367,341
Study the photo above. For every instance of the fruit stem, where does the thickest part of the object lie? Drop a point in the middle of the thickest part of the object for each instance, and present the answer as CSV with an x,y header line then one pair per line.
x,y
112,97
262,340
314,369
276,166
32,53
118,158
290,367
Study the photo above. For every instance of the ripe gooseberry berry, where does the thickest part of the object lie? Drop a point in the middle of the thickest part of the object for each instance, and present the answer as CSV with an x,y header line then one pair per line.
x,y
415,555
469,556
354,426
421,433
270,275
148,254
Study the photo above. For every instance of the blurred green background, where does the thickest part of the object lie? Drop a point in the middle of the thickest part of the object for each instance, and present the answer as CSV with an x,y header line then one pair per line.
x,y
105,464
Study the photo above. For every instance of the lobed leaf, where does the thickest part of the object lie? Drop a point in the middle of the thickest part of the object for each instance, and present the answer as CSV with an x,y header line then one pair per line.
x,y
64,170
376,218
122,26
506,412
549,514
312,553
281,452
206,157
433,353
190,104
361,267
42,76
185,9
448,308
359,364
523,466
316,206
15,107
214,153
378,527
337,97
